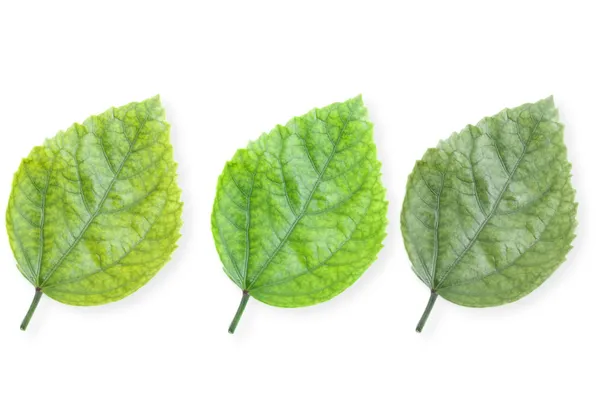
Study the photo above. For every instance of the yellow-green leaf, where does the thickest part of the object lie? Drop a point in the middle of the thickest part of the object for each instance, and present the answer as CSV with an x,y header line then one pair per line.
x,y
95,212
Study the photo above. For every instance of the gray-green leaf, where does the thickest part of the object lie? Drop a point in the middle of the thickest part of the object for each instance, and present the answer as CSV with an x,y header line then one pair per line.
x,y
490,213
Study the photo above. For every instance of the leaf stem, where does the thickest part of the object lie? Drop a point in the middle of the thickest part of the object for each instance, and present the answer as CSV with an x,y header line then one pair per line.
x,y
240,311
427,311
32,307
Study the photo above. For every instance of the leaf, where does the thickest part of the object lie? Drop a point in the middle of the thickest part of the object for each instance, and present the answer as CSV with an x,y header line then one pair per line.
x,y
490,213
300,214
95,212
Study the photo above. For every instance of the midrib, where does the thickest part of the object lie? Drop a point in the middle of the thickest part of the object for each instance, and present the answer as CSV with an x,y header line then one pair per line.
x,y
492,211
303,212
98,209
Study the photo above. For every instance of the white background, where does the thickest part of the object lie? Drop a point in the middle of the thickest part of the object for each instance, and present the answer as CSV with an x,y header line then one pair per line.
x,y
228,71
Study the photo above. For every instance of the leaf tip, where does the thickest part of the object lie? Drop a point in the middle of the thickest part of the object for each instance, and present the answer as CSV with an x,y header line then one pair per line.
x,y
357,100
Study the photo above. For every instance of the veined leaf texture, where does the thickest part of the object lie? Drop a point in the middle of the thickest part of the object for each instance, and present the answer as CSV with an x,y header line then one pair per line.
x,y
489,214
95,212
300,213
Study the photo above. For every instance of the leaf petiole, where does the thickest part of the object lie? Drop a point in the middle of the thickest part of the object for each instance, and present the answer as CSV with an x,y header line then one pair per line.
x,y
32,307
240,311
427,311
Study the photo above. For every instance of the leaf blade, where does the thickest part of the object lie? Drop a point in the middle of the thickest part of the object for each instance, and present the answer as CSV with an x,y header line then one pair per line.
x,y
505,194
275,198
106,188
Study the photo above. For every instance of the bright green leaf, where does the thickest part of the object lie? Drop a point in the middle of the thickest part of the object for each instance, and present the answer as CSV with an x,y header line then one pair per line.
x,y
95,212
300,214
490,213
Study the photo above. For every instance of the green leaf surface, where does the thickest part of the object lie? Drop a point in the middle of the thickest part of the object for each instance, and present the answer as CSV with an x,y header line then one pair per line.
x,y
300,213
95,212
490,213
